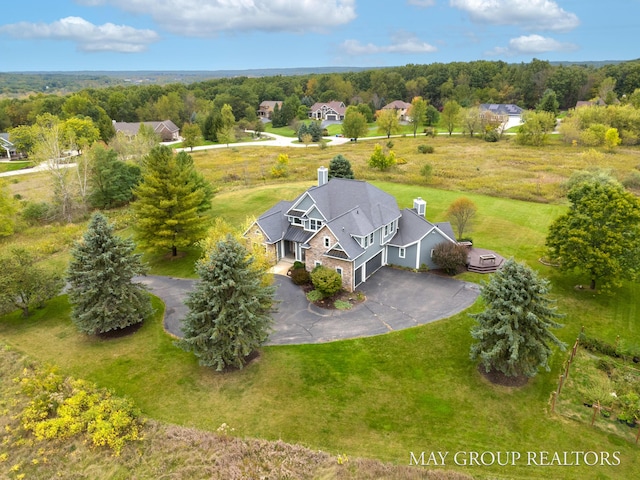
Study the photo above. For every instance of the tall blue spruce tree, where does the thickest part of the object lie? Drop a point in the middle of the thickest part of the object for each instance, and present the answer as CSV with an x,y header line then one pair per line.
x,y
100,274
512,334
229,310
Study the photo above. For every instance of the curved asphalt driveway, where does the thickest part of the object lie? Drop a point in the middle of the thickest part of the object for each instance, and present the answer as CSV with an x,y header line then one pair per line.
x,y
395,299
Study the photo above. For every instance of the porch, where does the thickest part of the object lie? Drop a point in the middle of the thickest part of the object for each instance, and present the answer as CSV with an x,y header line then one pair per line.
x,y
480,260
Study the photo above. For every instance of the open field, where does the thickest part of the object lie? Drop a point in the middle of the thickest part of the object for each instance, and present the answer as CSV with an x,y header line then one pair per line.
x,y
385,396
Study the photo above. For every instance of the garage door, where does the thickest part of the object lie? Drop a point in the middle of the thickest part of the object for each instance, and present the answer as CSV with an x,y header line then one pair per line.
x,y
358,276
374,264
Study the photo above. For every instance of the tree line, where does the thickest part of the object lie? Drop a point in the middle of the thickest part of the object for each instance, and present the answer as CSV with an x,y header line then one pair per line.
x,y
467,83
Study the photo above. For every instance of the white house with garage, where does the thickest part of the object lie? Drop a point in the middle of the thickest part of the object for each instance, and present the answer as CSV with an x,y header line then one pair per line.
x,y
350,226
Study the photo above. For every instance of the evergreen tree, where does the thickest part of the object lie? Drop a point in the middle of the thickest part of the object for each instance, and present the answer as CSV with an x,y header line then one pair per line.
x,y
169,203
315,129
340,167
229,309
512,333
101,291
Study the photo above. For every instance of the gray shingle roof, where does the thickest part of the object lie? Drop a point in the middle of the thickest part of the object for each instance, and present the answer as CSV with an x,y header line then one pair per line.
x,y
273,222
411,228
502,108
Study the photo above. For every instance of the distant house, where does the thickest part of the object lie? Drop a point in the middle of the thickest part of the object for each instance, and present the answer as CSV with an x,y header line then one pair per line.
x,y
508,109
166,130
6,147
265,110
350,226
333,110
401,108
598,102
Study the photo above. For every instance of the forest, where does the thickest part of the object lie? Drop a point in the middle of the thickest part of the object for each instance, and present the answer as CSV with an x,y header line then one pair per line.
x,y
468,83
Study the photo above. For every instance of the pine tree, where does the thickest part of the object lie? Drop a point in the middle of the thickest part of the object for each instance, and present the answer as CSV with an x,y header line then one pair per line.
x,y
169,203
229,309
513,334
340,167
101,291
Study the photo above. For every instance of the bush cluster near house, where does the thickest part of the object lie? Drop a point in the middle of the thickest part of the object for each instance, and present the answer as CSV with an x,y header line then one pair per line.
x,y
326,281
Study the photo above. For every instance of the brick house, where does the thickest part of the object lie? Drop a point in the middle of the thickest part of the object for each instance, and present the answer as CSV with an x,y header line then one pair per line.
x,y
350,226
328,111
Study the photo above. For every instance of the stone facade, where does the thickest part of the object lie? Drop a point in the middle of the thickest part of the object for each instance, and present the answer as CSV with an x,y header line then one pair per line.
x,y
256,235
316,254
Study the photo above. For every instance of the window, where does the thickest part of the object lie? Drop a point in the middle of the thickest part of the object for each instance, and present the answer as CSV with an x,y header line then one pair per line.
x,y
339,270
431,254
315,225
297,221
386,230
317,263
365,241
371,239
402,252
327,242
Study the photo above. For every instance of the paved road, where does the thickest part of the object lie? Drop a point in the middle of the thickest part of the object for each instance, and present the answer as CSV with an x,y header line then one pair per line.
x,y
395,300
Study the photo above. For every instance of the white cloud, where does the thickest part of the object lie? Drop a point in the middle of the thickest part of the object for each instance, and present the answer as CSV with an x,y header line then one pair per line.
x,y
203,18
401,43
422,3
529,14
532,44
87,36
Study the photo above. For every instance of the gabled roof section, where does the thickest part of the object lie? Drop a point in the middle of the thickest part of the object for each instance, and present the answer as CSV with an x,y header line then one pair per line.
x,y
502,108
396,105
369,208
132,128
273,222
411,228
334,105
447,229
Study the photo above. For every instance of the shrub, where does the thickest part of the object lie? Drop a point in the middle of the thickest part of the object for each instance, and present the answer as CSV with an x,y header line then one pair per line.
x,y
297,264
491,136
450,257
38,212
314,296
426,170
425,148
281,168
300,276
325,280
342,305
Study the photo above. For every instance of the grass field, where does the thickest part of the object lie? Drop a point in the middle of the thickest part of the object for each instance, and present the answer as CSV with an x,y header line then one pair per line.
x,y
385,396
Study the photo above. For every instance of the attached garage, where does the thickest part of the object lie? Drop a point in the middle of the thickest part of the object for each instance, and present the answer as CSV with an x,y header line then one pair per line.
x,y
357,278
373,265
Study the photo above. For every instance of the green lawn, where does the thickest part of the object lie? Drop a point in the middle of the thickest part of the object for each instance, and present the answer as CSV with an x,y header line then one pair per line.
x,y
380,397
13,166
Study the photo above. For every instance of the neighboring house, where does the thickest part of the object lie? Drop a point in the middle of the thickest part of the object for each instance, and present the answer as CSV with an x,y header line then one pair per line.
x,y
598,102
502,109
328,111
166,130
401,109
6,147
266,108
350,226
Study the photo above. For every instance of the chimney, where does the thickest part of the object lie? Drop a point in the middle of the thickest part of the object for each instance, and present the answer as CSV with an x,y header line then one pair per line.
x,y
323,176
420,206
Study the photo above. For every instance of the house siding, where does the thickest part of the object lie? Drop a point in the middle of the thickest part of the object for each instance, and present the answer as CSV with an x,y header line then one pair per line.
x,y
317,254
429,243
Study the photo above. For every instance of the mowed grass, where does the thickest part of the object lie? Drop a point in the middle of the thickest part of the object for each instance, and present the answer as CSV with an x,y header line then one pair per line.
x,y
386,396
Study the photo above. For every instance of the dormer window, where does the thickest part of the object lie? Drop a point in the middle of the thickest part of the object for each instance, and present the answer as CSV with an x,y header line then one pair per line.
x,y
297,221
315,225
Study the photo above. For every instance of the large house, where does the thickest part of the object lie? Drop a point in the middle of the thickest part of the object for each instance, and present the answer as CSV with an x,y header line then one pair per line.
x,y
350,226
266,108
166,130
401,108
333,110
7,147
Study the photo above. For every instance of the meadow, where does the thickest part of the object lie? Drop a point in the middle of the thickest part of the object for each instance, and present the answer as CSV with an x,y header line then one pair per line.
x,y
381,397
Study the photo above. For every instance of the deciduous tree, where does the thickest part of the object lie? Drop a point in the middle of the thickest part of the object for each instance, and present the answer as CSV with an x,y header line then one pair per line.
x,y
387,122
229,310
513,332
417,113
600,234
112,181
24,284
381,161
102,292
169,203
191,135
450,115
354,124
535,128
460,213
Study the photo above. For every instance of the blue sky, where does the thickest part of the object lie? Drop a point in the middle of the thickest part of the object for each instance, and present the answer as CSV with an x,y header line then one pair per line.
x,y
63,35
